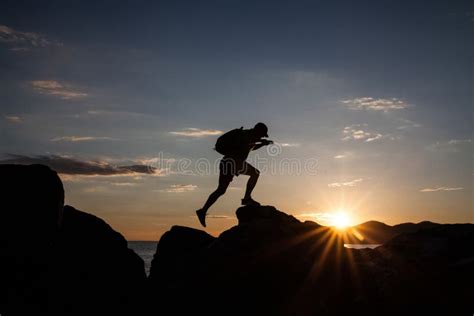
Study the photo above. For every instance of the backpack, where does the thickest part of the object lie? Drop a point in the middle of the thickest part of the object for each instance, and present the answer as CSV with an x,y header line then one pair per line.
x,y
229,143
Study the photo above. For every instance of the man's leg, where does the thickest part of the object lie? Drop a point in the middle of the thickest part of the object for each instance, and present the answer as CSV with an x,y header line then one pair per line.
x,y
251,171
224,182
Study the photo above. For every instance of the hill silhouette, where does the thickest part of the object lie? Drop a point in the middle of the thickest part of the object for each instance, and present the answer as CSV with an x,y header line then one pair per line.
x,y
57,260
374,232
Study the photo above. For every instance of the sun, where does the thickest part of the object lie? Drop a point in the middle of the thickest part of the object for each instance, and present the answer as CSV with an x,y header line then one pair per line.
x,y
341,220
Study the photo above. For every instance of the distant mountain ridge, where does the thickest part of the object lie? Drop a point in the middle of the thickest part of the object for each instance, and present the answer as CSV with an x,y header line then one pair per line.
x,y
375,232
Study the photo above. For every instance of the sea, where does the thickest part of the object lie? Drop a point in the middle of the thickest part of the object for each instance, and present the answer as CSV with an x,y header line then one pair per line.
x,y
146,250
361,246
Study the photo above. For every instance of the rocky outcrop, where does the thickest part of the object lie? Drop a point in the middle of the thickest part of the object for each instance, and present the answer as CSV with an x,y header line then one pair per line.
x,y
57,260
263,265
94,269
273,264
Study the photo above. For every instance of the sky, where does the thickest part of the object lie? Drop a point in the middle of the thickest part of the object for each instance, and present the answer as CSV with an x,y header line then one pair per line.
x,y
369,104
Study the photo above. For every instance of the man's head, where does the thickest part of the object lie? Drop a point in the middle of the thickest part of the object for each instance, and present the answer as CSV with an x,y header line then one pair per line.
x,y
260,130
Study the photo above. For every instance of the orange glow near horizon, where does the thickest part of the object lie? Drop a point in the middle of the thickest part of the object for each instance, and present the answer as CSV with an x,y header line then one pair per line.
x,y
341,220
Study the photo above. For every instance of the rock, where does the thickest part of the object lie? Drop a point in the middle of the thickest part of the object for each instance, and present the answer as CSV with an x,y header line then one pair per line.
x,y
56,260
32,202
257,266
33,199
176,247
94,269
273,264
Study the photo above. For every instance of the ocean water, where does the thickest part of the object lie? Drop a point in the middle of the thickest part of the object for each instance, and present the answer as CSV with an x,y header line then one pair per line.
x,y
146,250
361,246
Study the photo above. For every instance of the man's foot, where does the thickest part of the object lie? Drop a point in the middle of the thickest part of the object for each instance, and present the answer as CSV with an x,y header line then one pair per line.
x,y
201,214
250,202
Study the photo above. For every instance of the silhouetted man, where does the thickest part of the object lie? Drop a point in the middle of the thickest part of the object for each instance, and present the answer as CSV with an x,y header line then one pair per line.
x,y
236,145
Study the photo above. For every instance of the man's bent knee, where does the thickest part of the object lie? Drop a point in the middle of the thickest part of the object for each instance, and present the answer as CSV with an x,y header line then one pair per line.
x,y
221,190
255,173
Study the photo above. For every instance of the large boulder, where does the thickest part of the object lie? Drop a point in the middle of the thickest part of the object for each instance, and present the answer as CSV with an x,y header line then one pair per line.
x,y
32,200
94,269
56,260
273,264
258,266
32,204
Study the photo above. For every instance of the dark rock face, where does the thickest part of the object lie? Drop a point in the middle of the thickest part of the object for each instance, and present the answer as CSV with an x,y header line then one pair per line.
x,y
94,269
263,265
56,260
273,264
32,202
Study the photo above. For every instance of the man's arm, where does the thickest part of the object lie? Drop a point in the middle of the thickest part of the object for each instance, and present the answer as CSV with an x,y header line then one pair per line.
x,y
261,143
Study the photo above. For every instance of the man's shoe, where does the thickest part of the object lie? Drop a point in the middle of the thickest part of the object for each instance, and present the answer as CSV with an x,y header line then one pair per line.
x,y
250,202
201,214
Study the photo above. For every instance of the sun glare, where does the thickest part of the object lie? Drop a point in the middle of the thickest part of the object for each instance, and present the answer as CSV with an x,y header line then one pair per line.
x,y
341,220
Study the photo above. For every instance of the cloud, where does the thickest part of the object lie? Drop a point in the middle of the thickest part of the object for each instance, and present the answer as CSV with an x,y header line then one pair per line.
x,y
71,166
289,144
441,189
79,138
13,119
124,184
407,124
180,188
355,132
344,155
369,103
215,216
449,146
352,183
197,132
459,141
54,88
24,40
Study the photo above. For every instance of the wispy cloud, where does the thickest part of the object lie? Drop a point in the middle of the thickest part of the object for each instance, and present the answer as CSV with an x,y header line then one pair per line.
x,y
79,138
24,40
369,103
180,188
13,119
459,141
449,146
343,155
289,144
219,216
359,132
352,183
124,184
407,124
196,132
55,88
71,166
441,189
215,216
